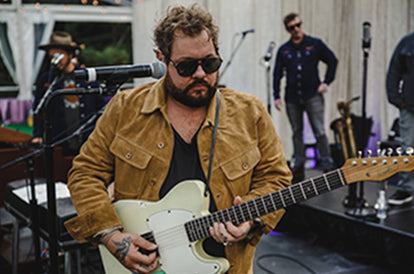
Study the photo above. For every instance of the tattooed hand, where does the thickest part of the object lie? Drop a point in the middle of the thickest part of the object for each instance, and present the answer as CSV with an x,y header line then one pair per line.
x,y
131,250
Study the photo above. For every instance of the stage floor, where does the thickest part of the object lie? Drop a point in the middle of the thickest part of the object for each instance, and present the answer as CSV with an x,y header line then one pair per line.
x,y
355,234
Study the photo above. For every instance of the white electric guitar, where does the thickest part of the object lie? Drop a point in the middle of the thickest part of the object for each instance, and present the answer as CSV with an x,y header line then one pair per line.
x,y
179,222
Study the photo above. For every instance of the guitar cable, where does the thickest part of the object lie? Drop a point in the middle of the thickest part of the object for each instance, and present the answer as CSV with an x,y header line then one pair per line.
x,y
261,266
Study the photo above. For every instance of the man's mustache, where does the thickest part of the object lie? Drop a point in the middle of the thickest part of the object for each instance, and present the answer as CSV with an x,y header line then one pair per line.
x,y
198,82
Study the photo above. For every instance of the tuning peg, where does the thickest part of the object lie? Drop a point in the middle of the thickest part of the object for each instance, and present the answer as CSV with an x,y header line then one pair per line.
x,y
381,152
399,151
359,154
389,152
369,153
409,151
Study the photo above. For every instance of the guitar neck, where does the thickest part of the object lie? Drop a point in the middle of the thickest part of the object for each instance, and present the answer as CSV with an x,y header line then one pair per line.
x,y
199,228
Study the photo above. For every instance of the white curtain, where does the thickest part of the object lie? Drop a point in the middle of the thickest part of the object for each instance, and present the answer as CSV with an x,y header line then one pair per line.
x,y
24,32
338,23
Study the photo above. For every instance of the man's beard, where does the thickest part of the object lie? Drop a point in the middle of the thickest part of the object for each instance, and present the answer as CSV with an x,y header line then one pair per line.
x,y
183,96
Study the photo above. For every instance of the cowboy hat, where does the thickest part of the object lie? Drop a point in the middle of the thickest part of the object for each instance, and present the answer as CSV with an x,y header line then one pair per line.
x,y
61,40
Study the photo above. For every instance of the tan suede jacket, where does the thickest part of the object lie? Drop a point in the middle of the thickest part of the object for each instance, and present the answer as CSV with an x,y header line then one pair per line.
x,y
132,145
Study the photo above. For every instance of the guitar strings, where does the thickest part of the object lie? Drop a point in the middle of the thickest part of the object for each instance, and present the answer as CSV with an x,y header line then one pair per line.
x,y
337,178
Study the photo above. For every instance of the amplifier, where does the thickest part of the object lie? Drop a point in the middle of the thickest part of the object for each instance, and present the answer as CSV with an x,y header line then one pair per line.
x,y
17,201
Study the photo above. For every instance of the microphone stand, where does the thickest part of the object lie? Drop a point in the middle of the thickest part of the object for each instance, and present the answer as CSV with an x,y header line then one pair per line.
x,y
232,55
52,70
50,176
362,209
267,66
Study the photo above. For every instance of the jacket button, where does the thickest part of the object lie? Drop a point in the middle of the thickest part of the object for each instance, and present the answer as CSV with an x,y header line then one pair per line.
x,y
128,155
245,166
160,145
152,182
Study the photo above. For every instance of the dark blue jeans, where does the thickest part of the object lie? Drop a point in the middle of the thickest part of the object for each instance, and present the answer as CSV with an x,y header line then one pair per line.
x,y
406,181
314,108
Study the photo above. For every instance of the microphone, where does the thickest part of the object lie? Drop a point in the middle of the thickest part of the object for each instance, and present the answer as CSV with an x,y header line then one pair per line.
x,y
57,58
155,70
246,32
366,35
268,54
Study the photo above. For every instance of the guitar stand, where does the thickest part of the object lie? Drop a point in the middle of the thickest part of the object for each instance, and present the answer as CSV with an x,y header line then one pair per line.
x,y
361,210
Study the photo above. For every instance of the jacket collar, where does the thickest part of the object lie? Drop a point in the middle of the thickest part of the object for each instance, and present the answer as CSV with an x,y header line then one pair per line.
x,y
156,101
156,98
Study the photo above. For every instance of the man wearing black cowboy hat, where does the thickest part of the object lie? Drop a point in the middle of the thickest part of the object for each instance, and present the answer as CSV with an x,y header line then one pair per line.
x,y
68,112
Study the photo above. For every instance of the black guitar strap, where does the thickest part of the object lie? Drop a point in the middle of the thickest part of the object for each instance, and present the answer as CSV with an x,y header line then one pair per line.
x,y
213,143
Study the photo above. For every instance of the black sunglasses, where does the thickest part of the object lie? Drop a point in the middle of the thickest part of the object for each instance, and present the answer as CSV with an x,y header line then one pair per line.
x,y
188,67
292,28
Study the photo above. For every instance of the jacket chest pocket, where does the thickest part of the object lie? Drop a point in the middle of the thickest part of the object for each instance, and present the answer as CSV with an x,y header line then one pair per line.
x,y
131,167
238,170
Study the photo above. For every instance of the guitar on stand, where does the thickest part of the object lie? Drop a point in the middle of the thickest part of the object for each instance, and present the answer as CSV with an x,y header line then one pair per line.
x,y
180,221
352,134
344,129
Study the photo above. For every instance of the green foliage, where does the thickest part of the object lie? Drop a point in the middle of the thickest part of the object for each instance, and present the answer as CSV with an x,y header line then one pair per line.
x,y
108,56
105,43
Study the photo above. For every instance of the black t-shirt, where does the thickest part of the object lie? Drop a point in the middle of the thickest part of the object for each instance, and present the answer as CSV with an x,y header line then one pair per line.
x,y
185,165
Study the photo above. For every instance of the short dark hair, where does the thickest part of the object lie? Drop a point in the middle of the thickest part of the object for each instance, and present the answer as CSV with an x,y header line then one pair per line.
x,y
190,20
289,18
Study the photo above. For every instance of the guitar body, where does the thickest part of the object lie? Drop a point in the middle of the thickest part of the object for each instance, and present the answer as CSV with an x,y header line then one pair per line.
x,y
165,220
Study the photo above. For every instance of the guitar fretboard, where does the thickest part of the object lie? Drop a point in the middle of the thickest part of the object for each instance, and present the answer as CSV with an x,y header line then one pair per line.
x,y
198,228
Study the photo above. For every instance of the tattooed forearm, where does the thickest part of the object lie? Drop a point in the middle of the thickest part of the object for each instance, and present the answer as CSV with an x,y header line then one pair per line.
x,y
123,248
105,237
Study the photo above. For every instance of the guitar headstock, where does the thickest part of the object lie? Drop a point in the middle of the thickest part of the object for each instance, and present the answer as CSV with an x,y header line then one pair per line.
x,y
376,168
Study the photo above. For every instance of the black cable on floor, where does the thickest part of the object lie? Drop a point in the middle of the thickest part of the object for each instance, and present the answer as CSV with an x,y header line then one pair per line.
x,y
281,256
